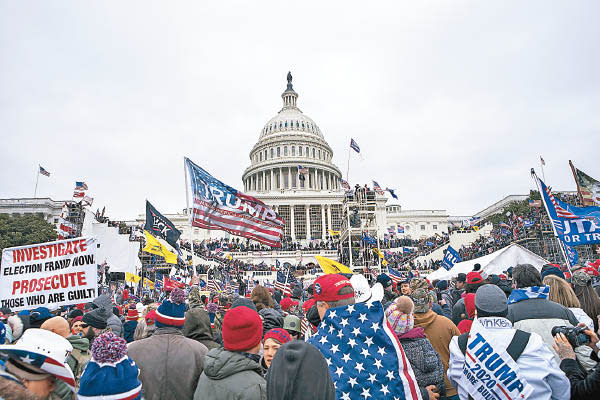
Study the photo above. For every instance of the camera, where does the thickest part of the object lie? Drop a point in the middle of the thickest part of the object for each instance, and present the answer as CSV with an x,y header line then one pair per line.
x,y
574,334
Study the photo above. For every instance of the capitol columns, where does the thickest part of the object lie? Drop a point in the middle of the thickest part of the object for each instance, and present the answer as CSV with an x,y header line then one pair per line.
x,y
289,172
329,226
323,227
292,230
272,179
308,237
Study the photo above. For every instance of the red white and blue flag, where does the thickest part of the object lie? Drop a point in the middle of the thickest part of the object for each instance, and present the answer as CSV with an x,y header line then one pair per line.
x,y
365,358
344,184
354,146
395,275
43,171
81,186
221,207
282,284
378,188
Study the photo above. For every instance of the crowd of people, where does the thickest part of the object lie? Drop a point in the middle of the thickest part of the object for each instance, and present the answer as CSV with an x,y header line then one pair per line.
x,y
342,337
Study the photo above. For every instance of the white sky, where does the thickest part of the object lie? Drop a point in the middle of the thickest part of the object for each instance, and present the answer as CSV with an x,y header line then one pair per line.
x,y
452,102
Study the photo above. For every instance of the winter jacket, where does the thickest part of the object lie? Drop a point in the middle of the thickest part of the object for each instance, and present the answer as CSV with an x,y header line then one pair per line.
x,y
425,362
77,361
439,330
540,316
459,312
582,317
230,376
113,322
143,330
170,364
582,386
271,319
455,295
197,327
388,296
444,310
129,330
536,364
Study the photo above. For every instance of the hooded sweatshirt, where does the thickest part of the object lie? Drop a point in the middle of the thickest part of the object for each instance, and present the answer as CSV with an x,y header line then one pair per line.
x,y
230,375
197,327
113,322
439,330
299,372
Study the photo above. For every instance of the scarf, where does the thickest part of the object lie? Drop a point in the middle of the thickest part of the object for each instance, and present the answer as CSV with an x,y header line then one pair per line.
x,y
533,292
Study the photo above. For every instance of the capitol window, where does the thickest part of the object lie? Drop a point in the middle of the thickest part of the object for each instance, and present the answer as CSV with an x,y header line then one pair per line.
x,y
293,150
272,152
265,154
319,154
435,227
307,153
260,156
300,151
279,152
313,152
285,150
422,227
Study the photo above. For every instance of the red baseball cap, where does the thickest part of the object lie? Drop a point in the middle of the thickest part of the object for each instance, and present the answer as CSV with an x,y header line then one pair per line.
x,y
327,287
287,302
474,277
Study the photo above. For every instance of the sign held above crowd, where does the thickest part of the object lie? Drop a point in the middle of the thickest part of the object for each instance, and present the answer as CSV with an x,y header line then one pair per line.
x,y
56,273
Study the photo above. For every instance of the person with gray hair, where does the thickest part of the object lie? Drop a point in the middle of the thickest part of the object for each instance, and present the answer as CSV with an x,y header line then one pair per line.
x,y
536,363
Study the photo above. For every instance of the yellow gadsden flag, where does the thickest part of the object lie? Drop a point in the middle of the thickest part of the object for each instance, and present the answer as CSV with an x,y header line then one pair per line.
x,y
381,256
332,267
333,233
148,284
153,246
133,278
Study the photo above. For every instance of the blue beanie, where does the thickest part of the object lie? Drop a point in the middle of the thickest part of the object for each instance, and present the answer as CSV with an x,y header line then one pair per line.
x,y
553,271
384,280
111,373
442,285
171,311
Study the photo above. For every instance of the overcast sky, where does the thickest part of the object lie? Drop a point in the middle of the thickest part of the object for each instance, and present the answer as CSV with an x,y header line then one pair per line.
x,y
451,102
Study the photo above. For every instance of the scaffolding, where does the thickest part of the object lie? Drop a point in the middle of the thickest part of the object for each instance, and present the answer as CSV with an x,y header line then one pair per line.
x,y
358,223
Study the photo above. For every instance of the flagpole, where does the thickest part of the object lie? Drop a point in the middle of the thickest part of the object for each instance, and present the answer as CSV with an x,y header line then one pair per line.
x,y
187,206
36,182
576,182
542,167
560,242
348,168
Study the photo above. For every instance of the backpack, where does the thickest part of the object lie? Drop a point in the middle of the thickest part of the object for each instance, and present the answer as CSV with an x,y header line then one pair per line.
x,y
515,347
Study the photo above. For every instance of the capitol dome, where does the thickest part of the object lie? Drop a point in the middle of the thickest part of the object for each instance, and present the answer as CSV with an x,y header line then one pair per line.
x,y
291,153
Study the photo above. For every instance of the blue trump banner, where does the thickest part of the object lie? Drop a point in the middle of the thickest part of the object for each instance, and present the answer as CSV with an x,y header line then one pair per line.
x,y
451,257
573,225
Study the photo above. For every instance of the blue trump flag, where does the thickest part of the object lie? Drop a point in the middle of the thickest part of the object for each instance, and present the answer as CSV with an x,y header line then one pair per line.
x,y
572,255
573,225
451,257
364,356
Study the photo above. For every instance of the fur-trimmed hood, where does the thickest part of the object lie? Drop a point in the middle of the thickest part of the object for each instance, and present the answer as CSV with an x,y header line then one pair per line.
x,y
16,325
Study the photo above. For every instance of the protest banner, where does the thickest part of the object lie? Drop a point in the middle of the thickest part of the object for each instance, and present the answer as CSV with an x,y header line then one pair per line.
x,y
56,273
451,257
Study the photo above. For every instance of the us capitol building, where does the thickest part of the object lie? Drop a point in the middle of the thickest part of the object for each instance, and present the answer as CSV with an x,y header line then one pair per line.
x,y
310,202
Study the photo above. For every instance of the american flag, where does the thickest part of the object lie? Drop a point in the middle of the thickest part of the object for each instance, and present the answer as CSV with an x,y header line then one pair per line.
x,y
365,358
213,285
81,186
219,206
302,170
395,275
78,194
282,284
43,171
377,188
65,229
354,146
560,211
344,184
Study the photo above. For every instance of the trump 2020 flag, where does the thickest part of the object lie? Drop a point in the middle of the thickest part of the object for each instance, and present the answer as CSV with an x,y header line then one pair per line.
x,y
365,358
219,206
160,226
451,257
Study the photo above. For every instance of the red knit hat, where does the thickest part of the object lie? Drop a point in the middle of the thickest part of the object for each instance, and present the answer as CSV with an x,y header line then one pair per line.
x,y
279,334
150,317
327,287
242,329
474,277
132,314
308,304
287,302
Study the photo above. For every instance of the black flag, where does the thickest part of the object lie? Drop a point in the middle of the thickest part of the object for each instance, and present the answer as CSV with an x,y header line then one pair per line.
x,y
160,226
